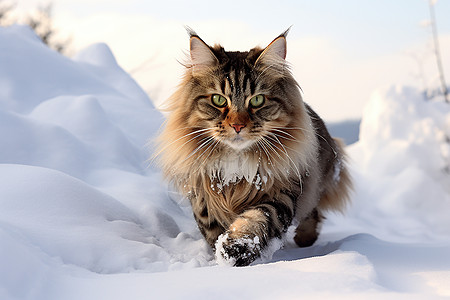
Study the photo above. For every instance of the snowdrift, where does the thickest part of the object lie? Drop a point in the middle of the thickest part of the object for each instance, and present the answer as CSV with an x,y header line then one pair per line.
x,y
402,166
85,215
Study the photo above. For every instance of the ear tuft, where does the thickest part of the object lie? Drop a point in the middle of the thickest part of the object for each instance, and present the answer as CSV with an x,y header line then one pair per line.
x,y
276,49
190,31
201,54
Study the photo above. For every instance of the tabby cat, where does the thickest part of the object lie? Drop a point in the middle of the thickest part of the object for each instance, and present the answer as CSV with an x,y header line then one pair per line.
x,y
248,153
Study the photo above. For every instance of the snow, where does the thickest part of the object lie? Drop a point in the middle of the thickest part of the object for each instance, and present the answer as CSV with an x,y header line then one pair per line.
x,y
85,215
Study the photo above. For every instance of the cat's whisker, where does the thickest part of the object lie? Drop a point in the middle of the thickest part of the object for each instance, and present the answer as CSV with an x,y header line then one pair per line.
x,y
286,138
284,127
287,147
283,132
295,167
292,137
206,140
295,128
261,146
210,143
190,127
215,144
273,148
202,131
315,133
179,147
300,128
289,161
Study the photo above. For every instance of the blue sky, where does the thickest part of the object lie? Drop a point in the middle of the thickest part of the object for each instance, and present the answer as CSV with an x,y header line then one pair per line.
x,y
341,51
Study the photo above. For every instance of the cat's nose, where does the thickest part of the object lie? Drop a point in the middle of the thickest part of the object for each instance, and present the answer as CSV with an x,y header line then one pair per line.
x,y
237,127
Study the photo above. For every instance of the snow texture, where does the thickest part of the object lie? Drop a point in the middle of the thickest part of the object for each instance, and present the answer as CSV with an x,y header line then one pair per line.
x,y
84,215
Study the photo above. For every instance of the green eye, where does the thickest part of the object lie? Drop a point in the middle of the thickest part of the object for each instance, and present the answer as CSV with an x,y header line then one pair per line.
x,y
218,100
257,101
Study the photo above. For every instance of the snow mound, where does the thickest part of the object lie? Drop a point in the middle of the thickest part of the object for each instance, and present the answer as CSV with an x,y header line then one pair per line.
x,y
83,215
402,167
76,183
400,120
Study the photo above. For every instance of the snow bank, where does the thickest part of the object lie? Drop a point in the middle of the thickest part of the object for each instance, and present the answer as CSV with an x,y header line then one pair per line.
x,y
402,167
76,186
84,215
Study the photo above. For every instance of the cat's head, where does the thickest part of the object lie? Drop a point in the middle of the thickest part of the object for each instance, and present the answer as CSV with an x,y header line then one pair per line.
x,y
243,102
239,97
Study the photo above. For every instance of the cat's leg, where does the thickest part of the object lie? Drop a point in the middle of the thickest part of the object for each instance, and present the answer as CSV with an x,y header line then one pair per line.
x,y
335,185
210,229
207,224
308,230
250,233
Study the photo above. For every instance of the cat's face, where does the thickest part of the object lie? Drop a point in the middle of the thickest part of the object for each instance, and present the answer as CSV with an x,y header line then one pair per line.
x,y
243,100
236,114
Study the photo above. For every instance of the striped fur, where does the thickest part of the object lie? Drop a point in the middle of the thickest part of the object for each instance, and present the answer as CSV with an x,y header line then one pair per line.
x,y
250,171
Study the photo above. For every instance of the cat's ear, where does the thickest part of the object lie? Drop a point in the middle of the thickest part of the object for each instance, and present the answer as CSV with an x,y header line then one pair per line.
x,y
276,50
201,54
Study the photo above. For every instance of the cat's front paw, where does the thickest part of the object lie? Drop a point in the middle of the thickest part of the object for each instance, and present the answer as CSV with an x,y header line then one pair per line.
x,y
237,252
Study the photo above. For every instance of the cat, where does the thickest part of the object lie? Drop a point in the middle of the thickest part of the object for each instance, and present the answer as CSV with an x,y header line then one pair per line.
x,y
249,154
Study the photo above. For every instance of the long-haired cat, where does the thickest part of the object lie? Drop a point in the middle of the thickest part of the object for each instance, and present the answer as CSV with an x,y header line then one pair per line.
x,y
248,153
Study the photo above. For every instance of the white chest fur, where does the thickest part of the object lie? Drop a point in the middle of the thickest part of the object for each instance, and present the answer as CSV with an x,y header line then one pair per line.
x,y
233,167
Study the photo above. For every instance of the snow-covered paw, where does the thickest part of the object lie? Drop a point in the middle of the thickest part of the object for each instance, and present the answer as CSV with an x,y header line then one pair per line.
x,y
238,252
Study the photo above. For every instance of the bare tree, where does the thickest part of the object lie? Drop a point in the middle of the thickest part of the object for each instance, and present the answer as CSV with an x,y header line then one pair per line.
x,y
437,50
5,9
41,22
